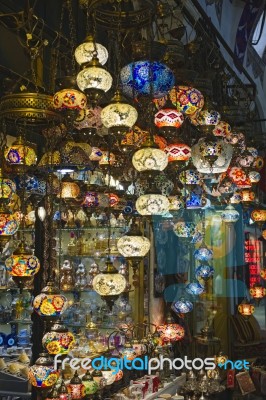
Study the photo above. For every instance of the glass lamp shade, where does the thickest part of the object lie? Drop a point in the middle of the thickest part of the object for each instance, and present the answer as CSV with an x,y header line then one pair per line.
x,y
22,264
258,163
50,303
7,187
190,177
76,388
178,152
53,395
175,203
258,216
143,78
133,245
94,77
109,375
149,159
119,113
247,196
220,359
89,118
152,204
184,229
58,340
263,270
110,282
257,292
222,129
204,272
171,332
69,99
94,199
254,177
168,117
69,188
96,154
42,374
20,153
195,288
211,157
203,254
230,215
91,386
107,159
9,224
186,99
182,306
236,198
41,213
245,308
86,50
206,117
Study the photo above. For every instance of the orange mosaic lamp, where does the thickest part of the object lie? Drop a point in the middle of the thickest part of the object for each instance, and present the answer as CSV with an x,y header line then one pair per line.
x,y
259,216
245,308
257,292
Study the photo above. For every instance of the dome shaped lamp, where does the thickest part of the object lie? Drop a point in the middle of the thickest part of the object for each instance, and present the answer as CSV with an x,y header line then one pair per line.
x,y
133,246
119,116
152,202
94,81
85,51
22,265
109,284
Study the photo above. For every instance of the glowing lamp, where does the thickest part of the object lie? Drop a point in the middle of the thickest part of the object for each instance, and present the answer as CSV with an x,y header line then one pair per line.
x,y
230,215
85,51
133,245
89,118
7,187
257,292
22,265
168,118
177,152
220,359
119,116
152,204
91,386
184,229
204,272
182,306
42,374
59,340
259,216
222,129
203,254
245,308
69,189
20,153
9,224
69,99
75,388
149,159
109,375
195,288
247,196
186,99
171,332
263,270
50,304
109,284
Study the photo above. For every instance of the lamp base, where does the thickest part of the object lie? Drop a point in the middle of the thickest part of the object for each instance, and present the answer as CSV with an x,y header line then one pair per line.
x,y
93,96
110,300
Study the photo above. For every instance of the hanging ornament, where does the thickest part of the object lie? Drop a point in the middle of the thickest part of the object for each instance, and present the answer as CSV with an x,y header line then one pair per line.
x,y
50,304
203,254
20,154
182,306
85,51
195,288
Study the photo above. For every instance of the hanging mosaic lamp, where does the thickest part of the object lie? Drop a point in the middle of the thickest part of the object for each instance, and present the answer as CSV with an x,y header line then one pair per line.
x,y
195,288
247,197
257,292
168,120
152,204
170,331
222,129
89,119
50,304
259,216
177,152
203,254
22,265
53,395
143,78
230,215
119,116
186,99
20,154
204,271
85,51
220,359
245,308
75,388
58,340
69,98
9,224
133,246
208,119
42,374
190,176
69,189
109,284
63,392
182,306
7,186
184,229
149,158
94,80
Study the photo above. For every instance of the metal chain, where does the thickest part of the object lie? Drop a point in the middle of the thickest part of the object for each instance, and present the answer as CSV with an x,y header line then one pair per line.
x,y
73,34
56,50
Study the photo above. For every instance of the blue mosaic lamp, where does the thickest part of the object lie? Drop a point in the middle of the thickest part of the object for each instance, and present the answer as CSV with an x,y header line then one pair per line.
x,y
146,78
203,254
195,288
182,306
204,271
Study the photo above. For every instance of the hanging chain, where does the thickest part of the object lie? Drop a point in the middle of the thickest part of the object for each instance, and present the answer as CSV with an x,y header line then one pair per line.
x,y
119,45
73,35
56,50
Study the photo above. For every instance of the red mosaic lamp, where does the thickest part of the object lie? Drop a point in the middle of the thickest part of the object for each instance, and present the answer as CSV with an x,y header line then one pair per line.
x,y
170,331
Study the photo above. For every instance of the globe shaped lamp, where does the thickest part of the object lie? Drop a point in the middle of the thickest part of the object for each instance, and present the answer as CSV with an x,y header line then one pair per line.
x,y
170,331
50,304
259,216
203,254
195,288
58,340
109,284
119,116
85,51
230,215
257,292
42,374
152,204
20,154
182,306
220,359
178,152
204,271
94,80
7,186
69,99
76,388
245,308
22,265
186,99
207,119
149,158
69,189
168,120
